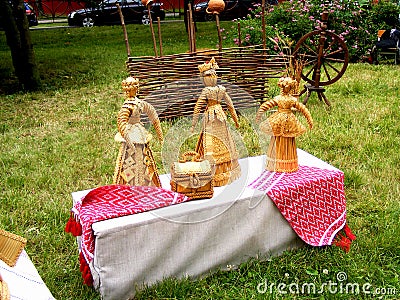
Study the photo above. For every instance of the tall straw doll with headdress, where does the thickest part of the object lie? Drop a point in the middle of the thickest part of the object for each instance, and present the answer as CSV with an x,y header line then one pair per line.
x,y
215,142
283,127
135,164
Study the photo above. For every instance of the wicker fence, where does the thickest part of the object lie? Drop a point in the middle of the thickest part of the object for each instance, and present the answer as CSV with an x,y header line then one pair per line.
x,y
171,83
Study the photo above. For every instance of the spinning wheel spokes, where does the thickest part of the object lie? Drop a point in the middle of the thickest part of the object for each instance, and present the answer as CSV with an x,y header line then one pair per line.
x,y
326,72
307,75
312,51
322,52
327,63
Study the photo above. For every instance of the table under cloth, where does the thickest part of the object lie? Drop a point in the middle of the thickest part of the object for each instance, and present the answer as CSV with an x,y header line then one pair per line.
x,y
240,222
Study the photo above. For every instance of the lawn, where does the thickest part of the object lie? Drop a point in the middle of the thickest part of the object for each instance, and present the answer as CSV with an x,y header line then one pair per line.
x,y
61,140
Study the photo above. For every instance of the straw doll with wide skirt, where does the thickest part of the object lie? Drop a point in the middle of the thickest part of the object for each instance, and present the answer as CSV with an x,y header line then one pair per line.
x,y
283,127
215,142
135,164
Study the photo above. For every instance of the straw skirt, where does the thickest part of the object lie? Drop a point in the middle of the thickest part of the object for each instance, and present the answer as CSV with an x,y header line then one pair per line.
x,y
216,144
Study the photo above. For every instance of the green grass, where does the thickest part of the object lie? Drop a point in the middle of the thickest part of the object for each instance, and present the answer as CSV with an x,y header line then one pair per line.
x,y
60,140
77,57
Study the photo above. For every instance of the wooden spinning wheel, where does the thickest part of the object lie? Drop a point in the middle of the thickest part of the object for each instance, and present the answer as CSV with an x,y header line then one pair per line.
x,y
325,58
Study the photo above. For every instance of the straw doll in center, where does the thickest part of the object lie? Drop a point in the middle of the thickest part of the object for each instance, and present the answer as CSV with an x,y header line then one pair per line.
x,y
135,164
283,127
215,142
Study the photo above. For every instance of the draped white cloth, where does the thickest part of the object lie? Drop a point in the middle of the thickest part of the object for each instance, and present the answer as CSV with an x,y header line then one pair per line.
x,y
24,281
192,238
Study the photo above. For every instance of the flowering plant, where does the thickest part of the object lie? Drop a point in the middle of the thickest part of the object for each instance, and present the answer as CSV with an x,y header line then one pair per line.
x,y
357,25
251,30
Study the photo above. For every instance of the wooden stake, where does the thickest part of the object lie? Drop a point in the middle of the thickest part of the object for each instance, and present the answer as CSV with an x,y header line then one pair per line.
x,y
219,32
191,30
263,24
152,30
194,35
239,35
159,36
121,16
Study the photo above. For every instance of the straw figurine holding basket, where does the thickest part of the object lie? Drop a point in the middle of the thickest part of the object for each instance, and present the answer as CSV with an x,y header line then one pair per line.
x,y
135,164
215,142
283,127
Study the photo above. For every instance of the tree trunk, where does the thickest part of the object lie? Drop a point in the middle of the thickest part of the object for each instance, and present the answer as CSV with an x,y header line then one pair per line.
x,y
18,36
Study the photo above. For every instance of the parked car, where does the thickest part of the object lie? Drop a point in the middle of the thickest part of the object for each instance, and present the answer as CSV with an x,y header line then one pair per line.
x,y
234,9
106,13
30,14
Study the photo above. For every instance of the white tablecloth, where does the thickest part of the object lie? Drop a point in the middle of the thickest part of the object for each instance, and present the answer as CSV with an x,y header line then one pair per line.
x,y
191,238
24,281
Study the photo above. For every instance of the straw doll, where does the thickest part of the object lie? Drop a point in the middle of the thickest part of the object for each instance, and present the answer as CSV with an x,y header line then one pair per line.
x,y
283,127
135,164
215,142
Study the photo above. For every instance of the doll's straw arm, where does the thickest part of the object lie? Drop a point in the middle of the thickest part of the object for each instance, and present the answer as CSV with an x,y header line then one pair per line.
x,y
123,117
231,109
306,113
152,114
201,101
264,107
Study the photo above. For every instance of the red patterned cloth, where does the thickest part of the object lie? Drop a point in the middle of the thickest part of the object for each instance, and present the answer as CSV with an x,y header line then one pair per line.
x,y
312,200
112,201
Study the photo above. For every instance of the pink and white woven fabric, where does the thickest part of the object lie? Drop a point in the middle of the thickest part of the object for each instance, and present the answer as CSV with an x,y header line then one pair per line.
x,y
312,200
113,201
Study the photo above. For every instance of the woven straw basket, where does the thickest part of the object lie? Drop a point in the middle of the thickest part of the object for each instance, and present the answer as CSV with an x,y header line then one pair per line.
x,y
192,178
11,246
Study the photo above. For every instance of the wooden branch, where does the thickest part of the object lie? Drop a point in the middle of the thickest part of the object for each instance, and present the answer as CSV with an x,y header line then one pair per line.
x,y
128,49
